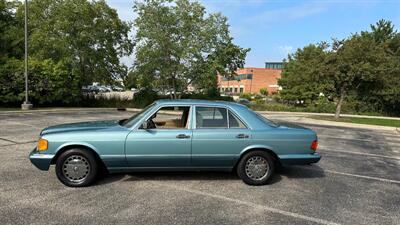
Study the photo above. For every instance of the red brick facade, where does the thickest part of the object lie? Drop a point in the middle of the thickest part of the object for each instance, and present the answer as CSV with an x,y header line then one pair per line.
x,y
251,80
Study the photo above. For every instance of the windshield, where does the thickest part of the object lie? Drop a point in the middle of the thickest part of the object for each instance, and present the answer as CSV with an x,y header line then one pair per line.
x,y
131,121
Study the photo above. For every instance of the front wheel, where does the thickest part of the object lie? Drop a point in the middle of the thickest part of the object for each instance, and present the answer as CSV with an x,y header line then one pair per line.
x,y
76,167
256,168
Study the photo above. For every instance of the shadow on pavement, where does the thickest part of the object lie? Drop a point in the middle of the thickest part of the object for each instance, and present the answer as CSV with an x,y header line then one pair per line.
x,y
292,172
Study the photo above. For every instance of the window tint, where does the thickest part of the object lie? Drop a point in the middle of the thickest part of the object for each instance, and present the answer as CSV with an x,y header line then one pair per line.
x,y
234,122
211,117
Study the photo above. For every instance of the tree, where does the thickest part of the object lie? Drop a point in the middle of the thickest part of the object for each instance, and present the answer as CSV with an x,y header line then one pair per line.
x,y
364,68
303,77
178,44
382,31
384,94
71,43
352,63
10,34
86,34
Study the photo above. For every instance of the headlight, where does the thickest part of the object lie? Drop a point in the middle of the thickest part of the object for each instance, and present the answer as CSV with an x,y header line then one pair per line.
x,y
42,145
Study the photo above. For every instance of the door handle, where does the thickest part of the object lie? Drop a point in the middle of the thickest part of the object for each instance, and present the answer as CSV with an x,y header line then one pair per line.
x,y
182,136
242,136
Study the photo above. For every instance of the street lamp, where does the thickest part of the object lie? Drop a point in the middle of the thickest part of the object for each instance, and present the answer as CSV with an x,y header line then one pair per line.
x,y
26,105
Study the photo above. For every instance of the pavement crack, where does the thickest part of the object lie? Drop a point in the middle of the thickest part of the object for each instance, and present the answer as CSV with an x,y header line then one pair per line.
x,y
4,139
16,143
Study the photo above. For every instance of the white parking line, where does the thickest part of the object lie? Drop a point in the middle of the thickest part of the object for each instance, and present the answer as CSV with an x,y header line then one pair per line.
x,y
360,153
251,204
355,175
366,177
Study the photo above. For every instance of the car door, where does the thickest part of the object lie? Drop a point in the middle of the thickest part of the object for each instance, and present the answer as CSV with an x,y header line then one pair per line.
x,y
216,142
167,144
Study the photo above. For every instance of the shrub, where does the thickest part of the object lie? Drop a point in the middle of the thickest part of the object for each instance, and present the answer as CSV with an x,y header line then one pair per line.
x,y
264,91
246,96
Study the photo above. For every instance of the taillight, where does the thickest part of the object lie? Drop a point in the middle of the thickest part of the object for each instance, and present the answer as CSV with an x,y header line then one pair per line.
x,y
314,145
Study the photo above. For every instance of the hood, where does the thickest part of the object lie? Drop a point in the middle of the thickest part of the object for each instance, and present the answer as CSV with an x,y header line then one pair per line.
x,y
291,125
95,125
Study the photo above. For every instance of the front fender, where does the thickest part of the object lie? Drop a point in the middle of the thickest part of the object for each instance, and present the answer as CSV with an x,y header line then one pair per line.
x,y
82,144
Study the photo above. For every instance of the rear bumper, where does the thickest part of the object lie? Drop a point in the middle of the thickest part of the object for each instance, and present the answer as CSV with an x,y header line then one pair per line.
x,y
41,160
299,159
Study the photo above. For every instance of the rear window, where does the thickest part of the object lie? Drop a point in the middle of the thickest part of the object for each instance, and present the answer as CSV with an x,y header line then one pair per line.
x,y
267,121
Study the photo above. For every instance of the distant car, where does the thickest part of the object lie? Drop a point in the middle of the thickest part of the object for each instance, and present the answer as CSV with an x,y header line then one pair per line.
x,y
134,90
176,135
244,101
116,88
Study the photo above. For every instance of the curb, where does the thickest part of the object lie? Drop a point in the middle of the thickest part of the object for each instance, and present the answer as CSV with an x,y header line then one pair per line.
x,y
310,121
56,110
329,114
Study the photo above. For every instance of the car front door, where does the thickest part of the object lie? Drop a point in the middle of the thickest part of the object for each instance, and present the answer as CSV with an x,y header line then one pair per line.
x,y
165,143
218,138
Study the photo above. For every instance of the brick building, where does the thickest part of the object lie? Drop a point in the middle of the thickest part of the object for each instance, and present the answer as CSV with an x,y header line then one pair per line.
x,y
251,80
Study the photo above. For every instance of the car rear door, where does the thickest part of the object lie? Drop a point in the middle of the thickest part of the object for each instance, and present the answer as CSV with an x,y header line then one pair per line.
x,y
216,142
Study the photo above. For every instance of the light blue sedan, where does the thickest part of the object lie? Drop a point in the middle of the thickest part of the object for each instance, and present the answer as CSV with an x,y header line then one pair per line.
x,y
172,135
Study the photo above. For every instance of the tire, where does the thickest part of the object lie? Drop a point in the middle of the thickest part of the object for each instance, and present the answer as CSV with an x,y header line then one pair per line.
x,y
256,168
77,168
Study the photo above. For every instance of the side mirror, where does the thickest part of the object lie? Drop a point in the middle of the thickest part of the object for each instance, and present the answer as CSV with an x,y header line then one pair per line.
x,y
145,125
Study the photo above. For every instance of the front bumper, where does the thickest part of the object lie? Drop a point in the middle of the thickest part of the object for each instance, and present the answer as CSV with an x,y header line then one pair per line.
x,y
41,160
299,159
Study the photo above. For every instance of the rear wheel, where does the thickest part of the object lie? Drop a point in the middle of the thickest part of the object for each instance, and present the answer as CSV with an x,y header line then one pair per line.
x,y
256,168
76,167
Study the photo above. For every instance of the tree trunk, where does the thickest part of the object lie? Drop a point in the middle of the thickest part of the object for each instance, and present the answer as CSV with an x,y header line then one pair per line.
x,y
340,102
173,88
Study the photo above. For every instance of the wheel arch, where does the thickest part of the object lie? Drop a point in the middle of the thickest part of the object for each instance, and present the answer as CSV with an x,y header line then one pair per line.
x,y
257,148
80,146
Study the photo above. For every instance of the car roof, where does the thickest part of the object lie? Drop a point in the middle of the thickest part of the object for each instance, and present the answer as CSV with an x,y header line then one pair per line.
x,y
198,102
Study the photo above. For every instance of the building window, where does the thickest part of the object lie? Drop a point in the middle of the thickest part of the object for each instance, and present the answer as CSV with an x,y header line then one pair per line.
x,y
241,90
274,65
244,77
235,90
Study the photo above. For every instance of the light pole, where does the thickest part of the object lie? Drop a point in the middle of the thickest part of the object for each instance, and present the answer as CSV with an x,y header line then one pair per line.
x,y
251,80
26,105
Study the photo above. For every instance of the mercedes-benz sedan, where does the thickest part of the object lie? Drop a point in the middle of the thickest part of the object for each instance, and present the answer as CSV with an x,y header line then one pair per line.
x,y
176,135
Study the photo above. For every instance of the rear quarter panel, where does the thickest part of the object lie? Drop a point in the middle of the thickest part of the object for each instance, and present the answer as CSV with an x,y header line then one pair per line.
x,y
284,141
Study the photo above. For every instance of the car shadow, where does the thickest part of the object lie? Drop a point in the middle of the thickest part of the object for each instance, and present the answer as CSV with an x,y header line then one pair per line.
x,y
301,172
291,172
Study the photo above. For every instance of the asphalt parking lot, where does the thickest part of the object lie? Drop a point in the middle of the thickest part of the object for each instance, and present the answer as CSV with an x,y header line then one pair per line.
x,y
356,182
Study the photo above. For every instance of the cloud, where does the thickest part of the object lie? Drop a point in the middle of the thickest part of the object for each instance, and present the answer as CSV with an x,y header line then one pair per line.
x,y
287,14
285,50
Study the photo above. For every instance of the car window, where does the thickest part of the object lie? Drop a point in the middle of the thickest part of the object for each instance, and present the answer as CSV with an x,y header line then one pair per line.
x,y
211,117
235,122
135,118
265,120
170,118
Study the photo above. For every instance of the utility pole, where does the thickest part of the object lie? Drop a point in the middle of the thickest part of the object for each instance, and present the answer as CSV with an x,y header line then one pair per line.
x,y
26,105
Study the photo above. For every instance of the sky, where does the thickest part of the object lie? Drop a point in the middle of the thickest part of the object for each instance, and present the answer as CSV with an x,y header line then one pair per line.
x,y
273,29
